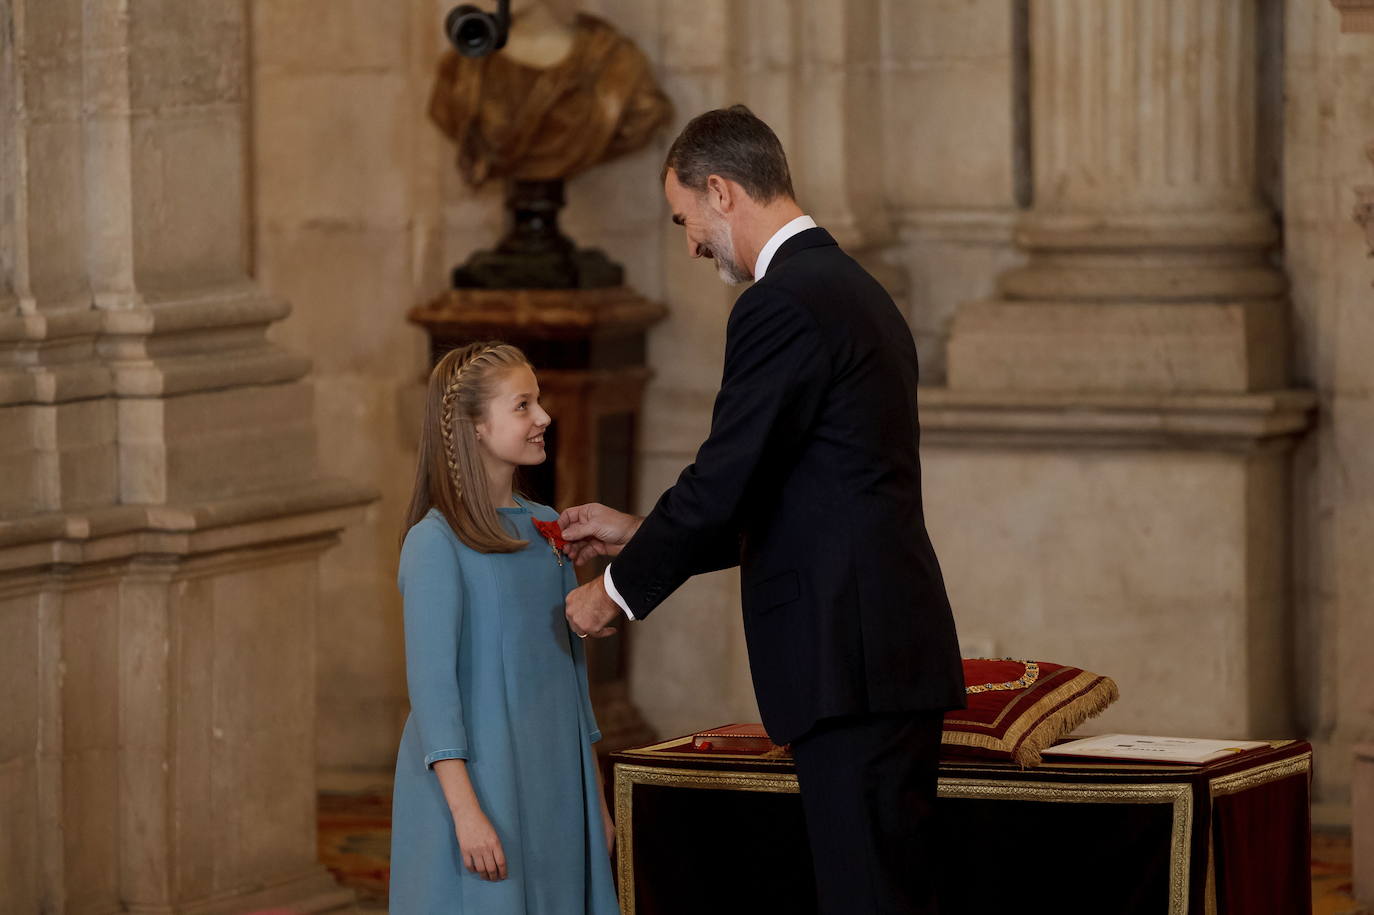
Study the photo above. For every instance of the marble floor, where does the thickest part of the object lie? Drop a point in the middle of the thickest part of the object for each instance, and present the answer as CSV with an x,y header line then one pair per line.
x,y
354,837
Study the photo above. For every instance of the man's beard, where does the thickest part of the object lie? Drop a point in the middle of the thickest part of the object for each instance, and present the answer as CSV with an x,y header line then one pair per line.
x,y
720,245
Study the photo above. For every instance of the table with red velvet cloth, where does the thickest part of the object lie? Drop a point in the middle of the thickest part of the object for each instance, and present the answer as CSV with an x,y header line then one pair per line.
x,y
705,831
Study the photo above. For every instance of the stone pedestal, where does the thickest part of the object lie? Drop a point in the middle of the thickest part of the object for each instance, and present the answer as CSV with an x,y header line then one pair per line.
x,y
1107,471
588,348
161,662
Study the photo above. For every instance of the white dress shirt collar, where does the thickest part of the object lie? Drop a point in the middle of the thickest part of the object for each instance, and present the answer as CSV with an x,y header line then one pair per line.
x,y
800,224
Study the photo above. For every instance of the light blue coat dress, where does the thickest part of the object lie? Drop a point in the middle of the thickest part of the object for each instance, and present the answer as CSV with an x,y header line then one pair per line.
x,y
496,678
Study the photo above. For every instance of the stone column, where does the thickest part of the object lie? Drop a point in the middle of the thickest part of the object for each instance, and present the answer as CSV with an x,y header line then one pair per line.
x,y
1106,469
1145,195
159,551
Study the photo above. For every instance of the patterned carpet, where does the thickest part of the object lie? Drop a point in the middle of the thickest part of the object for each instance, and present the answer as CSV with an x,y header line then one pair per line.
x,y
355,820
1331,889
355,834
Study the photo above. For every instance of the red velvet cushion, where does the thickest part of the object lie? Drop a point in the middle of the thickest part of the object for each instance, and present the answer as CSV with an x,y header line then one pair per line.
x,y
1018,708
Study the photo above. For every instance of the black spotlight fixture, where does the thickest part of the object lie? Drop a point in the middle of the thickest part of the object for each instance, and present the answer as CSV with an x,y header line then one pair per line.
x,y
476,33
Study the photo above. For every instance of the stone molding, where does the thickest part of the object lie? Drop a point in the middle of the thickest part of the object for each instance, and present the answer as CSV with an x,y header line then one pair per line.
x,y
1356,15
992,227
199,341
49,357
1074,420
110,533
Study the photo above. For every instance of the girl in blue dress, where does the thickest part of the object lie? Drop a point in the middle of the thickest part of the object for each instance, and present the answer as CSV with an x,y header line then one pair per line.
x,y
498,807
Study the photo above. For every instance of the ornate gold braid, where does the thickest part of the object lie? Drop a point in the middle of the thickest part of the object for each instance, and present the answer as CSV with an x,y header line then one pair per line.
x,y
1026,679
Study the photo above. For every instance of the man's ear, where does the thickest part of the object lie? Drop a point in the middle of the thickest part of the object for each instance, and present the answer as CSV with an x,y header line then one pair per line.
x,y
721,194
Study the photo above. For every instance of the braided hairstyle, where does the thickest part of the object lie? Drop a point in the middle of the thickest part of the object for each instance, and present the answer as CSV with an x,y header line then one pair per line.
x,y
450,475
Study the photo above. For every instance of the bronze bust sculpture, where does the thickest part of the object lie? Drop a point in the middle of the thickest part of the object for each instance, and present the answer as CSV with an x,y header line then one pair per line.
x,y
567,92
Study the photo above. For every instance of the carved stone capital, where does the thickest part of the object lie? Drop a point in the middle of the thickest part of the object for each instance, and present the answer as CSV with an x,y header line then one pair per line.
x,y
1356,15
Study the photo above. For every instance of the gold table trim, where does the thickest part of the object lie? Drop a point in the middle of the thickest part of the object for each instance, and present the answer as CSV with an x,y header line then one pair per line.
x,y
1179,795
1246,779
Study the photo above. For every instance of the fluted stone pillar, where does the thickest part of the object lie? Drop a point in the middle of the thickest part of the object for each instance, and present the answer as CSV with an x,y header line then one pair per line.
x,y
161,512
1107,467
1147,240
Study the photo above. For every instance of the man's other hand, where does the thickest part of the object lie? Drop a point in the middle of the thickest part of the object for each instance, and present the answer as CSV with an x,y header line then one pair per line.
x,y
594,530
590,610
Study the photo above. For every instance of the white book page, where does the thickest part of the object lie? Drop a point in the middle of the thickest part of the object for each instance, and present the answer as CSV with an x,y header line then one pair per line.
x,y
1161,749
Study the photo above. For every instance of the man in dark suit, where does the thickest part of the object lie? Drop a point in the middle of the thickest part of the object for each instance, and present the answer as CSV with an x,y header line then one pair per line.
x,y
811,483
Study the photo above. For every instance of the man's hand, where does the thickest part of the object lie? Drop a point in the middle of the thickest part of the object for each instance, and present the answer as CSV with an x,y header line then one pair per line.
x,y
590,610
594,530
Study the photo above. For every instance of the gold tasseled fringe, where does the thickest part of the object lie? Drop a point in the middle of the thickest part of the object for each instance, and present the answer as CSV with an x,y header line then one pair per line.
x,y
1043,735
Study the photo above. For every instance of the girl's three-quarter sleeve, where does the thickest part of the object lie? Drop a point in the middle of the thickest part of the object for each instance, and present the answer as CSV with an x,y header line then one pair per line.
x,y
432,596
579,653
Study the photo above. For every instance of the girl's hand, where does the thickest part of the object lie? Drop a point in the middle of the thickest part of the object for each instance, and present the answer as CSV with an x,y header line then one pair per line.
x,y
480,846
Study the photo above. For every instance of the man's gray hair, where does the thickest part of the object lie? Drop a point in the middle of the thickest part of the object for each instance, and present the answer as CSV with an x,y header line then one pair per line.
x,y
733,143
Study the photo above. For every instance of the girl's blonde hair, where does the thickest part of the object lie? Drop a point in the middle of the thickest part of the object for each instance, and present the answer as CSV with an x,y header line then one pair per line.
x,y
450,475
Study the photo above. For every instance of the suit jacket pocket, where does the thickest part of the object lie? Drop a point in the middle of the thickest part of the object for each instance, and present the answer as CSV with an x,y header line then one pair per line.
x,y
772,592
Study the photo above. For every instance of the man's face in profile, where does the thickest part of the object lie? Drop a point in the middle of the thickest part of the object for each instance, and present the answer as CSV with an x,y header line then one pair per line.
x,y
708,233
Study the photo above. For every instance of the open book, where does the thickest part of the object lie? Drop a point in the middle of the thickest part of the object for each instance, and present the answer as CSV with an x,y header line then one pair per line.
x,y
1188,750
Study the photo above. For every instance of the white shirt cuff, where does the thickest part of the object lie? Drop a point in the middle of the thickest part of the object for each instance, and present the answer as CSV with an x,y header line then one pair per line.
x,y
615,595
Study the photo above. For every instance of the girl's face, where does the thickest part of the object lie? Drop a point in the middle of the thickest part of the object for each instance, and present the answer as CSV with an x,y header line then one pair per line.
x,y
513,430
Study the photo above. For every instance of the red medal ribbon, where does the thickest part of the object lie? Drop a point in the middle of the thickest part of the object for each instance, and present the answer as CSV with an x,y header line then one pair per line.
x,y
552,533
